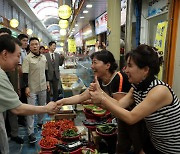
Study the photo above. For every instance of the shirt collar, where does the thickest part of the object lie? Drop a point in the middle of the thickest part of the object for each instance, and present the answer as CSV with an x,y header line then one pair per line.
x,y
143,85
51,53
34,56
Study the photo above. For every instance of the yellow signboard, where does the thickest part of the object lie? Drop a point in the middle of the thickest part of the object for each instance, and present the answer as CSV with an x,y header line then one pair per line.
x,y
71,45
160,41
91,42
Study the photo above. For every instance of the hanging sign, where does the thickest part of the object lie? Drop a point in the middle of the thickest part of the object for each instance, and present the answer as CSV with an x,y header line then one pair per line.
x,y
71,45
64,11
90,42
160,41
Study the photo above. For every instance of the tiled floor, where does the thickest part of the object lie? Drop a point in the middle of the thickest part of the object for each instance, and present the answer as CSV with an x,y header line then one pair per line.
x,y
27,148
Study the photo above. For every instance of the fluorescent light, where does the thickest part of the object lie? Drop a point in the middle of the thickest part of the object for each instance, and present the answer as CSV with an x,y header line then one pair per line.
x,y
76,25
85,11
81,17
89,6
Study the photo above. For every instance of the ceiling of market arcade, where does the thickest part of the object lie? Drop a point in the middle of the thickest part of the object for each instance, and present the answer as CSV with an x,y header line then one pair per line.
x,y
44,13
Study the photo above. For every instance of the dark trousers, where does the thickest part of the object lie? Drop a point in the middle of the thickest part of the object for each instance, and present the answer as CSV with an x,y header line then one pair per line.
x,y
54,85
148,147
129,135
23,99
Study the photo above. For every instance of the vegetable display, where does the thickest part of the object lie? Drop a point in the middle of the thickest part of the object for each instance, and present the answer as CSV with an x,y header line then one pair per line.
x,y
89,151
49,124
93,110
69,133
53,132
106,128
48,142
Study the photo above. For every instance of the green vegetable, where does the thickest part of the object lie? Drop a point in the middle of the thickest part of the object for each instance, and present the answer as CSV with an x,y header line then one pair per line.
x,y
99,112
88,152
69,133
98,109
106,128
90,107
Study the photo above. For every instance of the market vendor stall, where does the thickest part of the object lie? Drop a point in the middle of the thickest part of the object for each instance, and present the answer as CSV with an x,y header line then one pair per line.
x,y
66,112
63,136
101,131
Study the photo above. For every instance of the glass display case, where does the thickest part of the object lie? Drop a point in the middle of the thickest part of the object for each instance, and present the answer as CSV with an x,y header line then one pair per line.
x,y
70,62
76,80
84,71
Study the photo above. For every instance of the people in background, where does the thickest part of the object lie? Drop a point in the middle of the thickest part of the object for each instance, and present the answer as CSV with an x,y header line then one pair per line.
x,y
155,101
24,43
42,49
5,30
54,60
96,46
34,69
9,100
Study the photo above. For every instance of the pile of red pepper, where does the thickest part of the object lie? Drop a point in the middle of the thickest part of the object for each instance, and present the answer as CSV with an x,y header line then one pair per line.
x,y
49,124
48,142
52,131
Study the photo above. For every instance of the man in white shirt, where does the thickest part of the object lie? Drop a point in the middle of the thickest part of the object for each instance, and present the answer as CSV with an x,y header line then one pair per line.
x,y
34,74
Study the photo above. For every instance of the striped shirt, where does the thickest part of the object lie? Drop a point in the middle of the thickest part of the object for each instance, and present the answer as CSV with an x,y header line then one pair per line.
x,y
164,124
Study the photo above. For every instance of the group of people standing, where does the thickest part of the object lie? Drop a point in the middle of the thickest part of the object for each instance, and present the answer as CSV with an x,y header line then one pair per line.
x,y
135,96
34,77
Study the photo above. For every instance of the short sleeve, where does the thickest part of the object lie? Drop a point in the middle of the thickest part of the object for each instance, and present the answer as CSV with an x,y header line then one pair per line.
x,y
46,67
20,60
25,65
8,97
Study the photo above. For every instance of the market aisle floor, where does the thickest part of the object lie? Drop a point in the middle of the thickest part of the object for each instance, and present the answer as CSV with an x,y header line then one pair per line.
x,y
27,148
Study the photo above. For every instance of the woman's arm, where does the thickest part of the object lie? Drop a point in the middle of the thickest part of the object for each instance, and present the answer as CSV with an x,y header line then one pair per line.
x,y
157,98
101,98
123,100
75,99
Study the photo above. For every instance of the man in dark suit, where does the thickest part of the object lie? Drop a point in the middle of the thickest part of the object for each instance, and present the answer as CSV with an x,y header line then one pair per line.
x,y
54,60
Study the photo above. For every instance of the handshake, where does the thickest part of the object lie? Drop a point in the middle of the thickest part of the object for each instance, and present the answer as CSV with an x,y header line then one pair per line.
x,y
93,94
53,107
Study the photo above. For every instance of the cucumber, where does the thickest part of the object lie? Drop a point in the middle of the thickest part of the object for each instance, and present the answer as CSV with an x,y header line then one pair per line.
x,y
106,129
100,112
